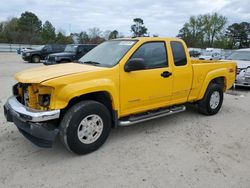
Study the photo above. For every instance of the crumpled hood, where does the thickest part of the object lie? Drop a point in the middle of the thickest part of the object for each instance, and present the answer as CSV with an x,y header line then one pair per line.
x,y
242,64
41,74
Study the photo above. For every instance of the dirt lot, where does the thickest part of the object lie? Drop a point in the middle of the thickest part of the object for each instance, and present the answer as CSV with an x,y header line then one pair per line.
x,y
183,150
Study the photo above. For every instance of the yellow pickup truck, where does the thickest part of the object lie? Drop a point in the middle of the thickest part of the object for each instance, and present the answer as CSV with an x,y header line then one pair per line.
x,y
120,82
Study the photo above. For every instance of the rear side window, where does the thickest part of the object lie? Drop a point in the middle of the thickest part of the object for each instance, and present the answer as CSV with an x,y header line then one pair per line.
x,y
180,58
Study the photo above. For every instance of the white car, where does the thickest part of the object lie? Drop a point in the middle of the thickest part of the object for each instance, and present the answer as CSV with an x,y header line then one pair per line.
x,y
210,56
242,58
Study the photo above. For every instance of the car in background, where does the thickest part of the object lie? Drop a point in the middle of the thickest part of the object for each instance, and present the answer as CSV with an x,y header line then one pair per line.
x,y
21,50
194,53
40,53
242,58
71,53
210,56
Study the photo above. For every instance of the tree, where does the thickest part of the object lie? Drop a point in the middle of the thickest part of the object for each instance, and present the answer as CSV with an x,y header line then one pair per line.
x,y
138,29
83,37
2,38
94,32
48,34
113,34
203,30
61,38
239,35
29,27
95,36
10,31
192,31
214,26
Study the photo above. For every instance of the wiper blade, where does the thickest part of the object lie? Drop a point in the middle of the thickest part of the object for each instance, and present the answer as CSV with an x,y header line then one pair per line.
x,y
91,62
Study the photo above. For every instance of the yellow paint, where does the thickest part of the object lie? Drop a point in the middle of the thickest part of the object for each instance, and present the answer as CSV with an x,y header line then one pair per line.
x,y
131,92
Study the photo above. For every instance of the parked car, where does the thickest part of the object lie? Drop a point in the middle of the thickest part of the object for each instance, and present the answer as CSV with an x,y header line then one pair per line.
x,y
210,56
118,83
194,53
242,58
41,52
71,52
21,50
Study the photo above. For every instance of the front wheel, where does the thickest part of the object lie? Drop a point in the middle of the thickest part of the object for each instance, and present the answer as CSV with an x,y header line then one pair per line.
x,y
212,100
85,127
36,59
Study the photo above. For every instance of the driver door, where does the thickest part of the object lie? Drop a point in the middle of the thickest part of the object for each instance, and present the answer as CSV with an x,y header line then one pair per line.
x,y
150,87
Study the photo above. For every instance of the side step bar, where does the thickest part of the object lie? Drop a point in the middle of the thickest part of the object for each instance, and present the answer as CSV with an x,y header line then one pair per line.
x,y
150,115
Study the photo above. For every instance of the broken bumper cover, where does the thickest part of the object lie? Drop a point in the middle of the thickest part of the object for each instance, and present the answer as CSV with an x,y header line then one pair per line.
x,y
33,124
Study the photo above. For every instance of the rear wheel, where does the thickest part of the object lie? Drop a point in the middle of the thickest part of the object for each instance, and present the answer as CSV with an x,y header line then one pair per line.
x,y
212,100
85,127
36,59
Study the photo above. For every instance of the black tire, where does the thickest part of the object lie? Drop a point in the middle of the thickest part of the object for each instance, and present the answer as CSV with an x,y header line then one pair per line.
x,y
36,59
71,122
204,105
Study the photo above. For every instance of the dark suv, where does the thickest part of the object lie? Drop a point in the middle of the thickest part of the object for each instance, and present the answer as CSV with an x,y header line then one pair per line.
x,y
41,52
71,53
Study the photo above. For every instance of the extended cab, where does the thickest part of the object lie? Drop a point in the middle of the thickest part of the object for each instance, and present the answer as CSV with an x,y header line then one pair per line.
x,y
118,83
41,53
71,53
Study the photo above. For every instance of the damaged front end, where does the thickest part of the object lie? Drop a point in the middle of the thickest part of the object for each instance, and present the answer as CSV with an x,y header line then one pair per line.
x,y
29,109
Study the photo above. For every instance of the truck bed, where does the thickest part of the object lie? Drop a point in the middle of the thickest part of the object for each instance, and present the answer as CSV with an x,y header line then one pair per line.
x,y
204,70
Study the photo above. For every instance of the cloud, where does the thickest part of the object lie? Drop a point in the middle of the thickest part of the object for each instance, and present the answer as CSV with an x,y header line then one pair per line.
x,y
163,17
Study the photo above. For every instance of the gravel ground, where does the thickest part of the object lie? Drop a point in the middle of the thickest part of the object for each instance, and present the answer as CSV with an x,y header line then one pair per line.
x,y
183,150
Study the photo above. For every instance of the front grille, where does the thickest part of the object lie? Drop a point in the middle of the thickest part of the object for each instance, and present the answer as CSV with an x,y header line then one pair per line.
x,y
51,58
247,79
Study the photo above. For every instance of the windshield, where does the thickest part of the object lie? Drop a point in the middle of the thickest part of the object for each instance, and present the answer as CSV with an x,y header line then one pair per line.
x,y
70,48
240,55
108,53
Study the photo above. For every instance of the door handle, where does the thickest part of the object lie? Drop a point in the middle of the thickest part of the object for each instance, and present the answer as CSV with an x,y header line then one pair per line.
x,y
166,74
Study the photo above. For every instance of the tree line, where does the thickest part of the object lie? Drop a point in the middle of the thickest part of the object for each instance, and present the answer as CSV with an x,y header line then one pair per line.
x,y
208,30
29,29
211,30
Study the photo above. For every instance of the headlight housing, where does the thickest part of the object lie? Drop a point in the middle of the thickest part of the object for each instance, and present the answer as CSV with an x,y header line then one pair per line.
x,y
27,54
247,73
44,100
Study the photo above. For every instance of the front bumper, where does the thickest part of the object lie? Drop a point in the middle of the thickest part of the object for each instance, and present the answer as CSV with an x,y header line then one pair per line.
x,y
37,126
47,62
26,58
242,81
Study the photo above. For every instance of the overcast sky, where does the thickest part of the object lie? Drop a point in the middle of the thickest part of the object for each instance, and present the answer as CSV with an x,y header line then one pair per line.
x,y
163,17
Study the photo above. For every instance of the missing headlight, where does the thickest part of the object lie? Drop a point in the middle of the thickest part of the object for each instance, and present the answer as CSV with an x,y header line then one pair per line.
x,y
44,100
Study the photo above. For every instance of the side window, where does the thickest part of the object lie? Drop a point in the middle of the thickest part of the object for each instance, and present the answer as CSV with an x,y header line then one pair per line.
x,y
87,49
179,54
48,48
82,49
153,53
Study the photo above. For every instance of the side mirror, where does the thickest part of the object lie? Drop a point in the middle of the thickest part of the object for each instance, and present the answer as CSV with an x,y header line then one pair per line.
x,y
134,64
